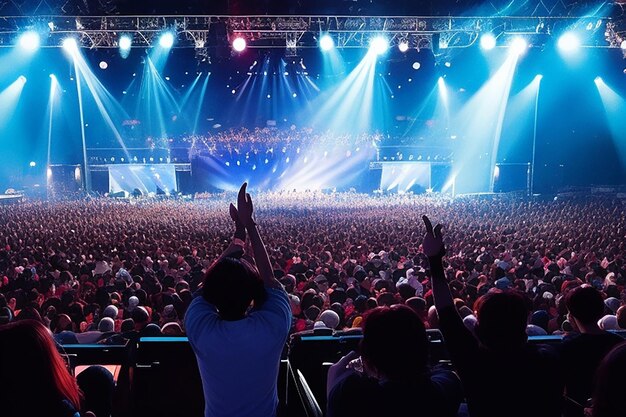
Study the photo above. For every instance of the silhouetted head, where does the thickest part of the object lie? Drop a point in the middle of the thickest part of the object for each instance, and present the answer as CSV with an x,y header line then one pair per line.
x,y
231,285
502,318
389,331
585,304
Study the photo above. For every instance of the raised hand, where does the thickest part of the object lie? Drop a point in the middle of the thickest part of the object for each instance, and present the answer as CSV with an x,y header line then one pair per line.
x,y
433,240
244,206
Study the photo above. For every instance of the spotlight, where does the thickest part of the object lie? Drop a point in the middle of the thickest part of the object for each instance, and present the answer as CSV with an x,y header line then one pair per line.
x,y
518,46
327,43
568,42
379,45
538,77
29,41
103,65
488,41
22,79
598,80
166,40
32,164
403,46
70,45
623,45
125,43
416,65
239,44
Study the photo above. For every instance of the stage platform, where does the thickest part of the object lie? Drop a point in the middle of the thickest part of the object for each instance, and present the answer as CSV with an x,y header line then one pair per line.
x,y
6,199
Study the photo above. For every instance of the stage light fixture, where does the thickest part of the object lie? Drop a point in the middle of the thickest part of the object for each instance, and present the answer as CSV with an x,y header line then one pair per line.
x,y
103,65
166,40
518,46
416,65
327,43
598,80
239,44
403,46
568,42
379,45
70,45
22,79
32,164
488,41
125,43
29,41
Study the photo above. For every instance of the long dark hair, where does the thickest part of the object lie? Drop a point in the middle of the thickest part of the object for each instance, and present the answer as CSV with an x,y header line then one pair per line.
x,y
36,379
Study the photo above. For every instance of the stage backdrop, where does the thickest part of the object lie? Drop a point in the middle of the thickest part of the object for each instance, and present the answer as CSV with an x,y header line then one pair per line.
x,y
405,176
158,178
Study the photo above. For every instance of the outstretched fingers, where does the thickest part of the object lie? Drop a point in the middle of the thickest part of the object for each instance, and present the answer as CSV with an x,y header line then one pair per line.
x,y
241,197
233,213
429,225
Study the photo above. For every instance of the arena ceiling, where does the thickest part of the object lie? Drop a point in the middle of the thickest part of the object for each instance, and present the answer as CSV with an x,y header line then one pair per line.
x,y
558,8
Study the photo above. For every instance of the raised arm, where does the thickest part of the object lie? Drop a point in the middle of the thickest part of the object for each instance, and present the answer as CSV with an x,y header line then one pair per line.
x,y
434,249
261,258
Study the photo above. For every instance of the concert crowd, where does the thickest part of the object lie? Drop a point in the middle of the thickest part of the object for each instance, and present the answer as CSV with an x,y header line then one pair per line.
x,y
103,271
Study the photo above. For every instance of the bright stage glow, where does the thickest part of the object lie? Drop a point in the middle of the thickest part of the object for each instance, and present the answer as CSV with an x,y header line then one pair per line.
x,y
416,65
239,44
70,45
29,41
538,77
32,164
22,79
125,43
488,41
166,40
518,46
623,45
403,46
598,80
103,65
327,43
379,45
568,42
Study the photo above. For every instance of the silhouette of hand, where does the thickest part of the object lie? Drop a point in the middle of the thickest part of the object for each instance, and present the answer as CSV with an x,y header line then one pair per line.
x,y
433,240
244,206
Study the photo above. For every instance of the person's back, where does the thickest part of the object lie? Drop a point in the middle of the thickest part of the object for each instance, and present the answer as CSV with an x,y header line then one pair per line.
x,y
503,377
582,352
238,349
239,359
395,380
501,373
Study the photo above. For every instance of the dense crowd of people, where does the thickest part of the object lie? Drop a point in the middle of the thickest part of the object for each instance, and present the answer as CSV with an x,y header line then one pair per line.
x,y
103,271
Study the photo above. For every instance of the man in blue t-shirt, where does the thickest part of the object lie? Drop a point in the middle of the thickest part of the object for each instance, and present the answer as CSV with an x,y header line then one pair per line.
x,y
239,325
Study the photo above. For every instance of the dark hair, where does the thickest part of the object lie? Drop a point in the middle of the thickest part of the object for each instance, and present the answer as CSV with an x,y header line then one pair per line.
x,y
40,381
608,398
502,318
585,304
387,331
231,285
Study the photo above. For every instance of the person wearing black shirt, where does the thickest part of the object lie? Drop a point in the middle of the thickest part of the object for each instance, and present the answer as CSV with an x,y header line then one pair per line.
x,y
395,380
582,351
501,373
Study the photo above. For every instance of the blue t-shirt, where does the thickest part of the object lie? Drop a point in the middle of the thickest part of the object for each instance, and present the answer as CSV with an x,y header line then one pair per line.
x,y
239,360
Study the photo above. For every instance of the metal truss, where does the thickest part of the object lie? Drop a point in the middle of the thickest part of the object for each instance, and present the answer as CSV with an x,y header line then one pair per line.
x,y
296,32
